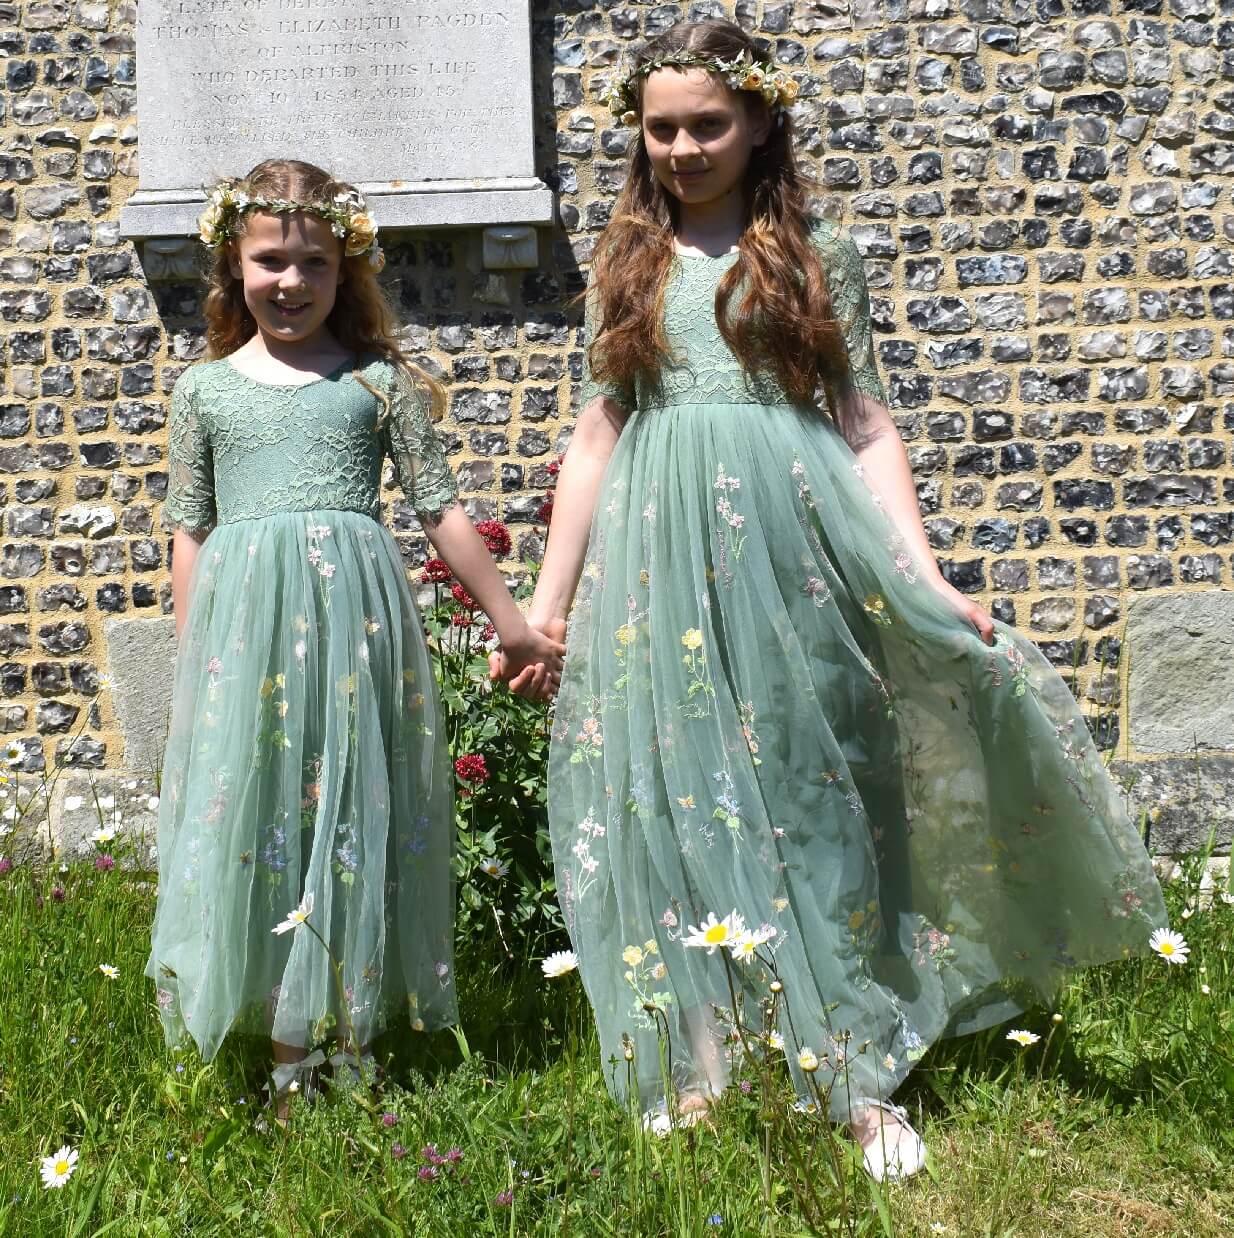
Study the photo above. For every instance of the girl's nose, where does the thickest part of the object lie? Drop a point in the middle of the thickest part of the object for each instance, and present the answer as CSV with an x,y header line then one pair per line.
x,y
291,278
684,146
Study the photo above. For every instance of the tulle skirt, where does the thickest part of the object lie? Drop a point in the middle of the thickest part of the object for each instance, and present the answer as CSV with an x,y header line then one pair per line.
x,y
306,760
768,715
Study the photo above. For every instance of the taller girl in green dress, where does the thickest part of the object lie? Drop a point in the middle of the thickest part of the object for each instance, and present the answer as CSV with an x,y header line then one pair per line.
x,y
306,777
780,729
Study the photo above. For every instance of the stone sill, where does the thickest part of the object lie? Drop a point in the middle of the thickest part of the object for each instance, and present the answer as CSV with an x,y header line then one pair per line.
x,y
425,204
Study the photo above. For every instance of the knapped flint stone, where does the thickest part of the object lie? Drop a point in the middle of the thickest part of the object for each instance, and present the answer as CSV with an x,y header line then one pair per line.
x,y
1052,614
1100,610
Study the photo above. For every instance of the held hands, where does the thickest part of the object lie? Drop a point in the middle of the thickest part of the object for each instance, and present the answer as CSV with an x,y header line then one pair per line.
x,y
532,668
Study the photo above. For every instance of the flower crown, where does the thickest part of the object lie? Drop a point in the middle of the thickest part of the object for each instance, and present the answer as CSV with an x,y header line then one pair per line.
x,y
346,213
743,72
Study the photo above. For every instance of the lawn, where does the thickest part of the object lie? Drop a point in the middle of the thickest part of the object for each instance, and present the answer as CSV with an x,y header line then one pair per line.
x,y
1116,1121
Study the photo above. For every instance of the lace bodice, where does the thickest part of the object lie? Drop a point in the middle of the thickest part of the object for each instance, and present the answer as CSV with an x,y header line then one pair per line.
x,y
705,369
240,449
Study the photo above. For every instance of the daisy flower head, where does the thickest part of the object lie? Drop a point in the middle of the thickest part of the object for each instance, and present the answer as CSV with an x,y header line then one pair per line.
x,y
807,1059
1021,1037
297,917
58,1168
12,754
1170,945
559,963
713,933
103,835
112,973
776,1040
743,946
493,867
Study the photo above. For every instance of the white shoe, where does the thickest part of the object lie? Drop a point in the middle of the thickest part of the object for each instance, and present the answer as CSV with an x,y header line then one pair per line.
x,y
894,1151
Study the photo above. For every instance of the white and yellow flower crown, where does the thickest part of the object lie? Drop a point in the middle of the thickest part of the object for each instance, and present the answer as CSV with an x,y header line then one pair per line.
x,y
347,214
743,72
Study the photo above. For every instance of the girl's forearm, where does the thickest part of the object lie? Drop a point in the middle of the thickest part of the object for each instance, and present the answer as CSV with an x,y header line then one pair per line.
x,y
887,472
184,549
578,485
458,543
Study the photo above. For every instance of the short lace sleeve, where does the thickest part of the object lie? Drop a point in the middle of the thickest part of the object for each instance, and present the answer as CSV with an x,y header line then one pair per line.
x,y
190,462
850,300
419,458
623,395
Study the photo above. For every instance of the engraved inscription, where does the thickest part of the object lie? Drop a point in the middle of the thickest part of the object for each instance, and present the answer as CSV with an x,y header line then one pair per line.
x,y
437,89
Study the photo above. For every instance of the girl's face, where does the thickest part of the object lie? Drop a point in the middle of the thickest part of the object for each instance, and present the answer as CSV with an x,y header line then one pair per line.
x,y
291,267
698,134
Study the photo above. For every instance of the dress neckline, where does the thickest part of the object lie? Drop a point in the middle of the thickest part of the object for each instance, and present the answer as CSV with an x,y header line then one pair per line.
x,y
728,253
348,363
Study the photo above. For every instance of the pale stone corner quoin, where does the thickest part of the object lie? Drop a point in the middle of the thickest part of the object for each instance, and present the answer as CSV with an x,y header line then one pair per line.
x,y
1046,211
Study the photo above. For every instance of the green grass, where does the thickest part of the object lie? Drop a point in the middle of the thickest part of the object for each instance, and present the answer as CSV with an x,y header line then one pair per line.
x,y
1117,1122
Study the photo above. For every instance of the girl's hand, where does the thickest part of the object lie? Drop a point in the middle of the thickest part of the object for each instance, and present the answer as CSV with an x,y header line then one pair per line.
x,y
978,616
536,680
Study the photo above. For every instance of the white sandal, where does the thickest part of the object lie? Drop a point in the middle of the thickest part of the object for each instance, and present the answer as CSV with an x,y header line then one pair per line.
x,y
894,1151
295,1078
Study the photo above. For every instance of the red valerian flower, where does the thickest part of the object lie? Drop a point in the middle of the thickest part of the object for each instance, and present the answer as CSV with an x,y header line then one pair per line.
x,y
437,571
471,768
545,510
496,537
554,468
487,632
462,597
460,620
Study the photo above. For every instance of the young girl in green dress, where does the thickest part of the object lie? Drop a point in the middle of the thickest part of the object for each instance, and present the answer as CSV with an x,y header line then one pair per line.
x,y
306,784
780,731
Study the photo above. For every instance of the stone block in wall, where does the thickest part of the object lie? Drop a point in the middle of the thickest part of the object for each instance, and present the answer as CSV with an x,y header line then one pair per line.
x,y
1181,802
1181,678
125,801
141,656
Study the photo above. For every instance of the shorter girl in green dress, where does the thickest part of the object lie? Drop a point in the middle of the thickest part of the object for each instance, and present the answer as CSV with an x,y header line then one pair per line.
x,y
306,776
783,739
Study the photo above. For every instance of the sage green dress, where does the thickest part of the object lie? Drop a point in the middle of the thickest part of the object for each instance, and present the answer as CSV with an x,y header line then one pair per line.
x,y
306,753
766,710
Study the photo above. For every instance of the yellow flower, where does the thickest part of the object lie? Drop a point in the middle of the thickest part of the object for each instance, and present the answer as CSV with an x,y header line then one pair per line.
x,y
780,904
686,801
207,226
875,604
856,920
650,947
753,79
692,639
644,578
267,686
626,634
659,971
629,118
361,232
280,680
283,707
632,956
788,90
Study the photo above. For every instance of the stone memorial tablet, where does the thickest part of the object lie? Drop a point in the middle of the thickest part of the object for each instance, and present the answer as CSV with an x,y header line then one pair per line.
x,y
426,104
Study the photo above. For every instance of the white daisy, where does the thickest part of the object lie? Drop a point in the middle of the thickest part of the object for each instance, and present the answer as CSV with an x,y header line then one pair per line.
x,y
559,964
104,834
775,1040
807,1059
112,973
713,933
297,917
58,1169
743,946
494,868
1170,945
1021,1037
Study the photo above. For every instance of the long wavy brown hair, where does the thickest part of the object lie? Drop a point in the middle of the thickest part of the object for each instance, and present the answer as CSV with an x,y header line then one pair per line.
x,y
772,305
362,319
